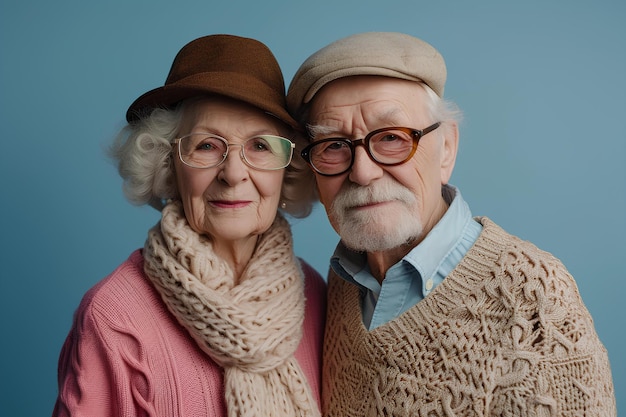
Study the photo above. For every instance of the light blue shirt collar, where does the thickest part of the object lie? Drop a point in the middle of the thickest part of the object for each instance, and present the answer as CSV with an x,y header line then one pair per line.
x,y
431,254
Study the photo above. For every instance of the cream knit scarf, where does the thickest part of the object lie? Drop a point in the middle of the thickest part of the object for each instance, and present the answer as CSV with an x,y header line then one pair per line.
x,y
251,329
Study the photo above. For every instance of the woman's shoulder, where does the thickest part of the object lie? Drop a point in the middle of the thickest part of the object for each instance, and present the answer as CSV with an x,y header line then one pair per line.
x,y
312,277
124,291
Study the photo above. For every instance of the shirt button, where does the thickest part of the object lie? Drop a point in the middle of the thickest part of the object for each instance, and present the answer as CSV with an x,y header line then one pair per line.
x,y
429,284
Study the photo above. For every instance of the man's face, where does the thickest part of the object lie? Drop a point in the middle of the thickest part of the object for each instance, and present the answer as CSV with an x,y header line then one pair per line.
x,y
375,207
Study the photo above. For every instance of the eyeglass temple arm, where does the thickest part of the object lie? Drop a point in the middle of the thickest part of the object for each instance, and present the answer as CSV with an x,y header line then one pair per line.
x,y
431,128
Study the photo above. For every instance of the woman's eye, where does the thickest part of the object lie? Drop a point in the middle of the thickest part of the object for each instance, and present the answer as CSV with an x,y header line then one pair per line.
x,y
210,145
260,146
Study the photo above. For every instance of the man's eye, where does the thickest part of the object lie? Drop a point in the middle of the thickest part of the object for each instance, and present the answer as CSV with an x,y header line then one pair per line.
x,y
390,137
333,146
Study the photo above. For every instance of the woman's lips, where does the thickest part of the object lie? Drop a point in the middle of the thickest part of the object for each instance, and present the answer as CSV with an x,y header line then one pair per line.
x,y
230,204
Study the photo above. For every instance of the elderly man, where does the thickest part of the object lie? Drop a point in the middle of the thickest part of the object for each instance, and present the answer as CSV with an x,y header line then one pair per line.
x,y
432,312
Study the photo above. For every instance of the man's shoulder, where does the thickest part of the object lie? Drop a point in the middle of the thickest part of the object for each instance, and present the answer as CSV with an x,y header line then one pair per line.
x,y
510,242
521,258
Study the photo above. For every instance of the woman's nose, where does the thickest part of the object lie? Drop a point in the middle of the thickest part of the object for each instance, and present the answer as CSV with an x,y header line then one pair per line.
x,y
233,169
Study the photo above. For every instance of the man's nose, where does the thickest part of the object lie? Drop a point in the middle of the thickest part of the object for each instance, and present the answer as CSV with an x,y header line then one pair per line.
x,y
364,170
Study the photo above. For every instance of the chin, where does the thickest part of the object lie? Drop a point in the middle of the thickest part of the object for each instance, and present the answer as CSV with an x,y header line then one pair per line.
x,y
379,231
381,235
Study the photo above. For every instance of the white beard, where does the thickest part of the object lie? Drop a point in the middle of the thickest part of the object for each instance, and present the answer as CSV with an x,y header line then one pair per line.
x,y
380,228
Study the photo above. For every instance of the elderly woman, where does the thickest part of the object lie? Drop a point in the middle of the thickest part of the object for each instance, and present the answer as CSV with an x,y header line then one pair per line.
x,y
209,318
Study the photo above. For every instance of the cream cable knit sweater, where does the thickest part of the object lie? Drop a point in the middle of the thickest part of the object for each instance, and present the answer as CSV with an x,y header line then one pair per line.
x,y
505,334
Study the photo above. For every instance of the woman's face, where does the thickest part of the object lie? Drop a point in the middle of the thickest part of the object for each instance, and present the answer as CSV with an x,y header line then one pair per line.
x,y
231,202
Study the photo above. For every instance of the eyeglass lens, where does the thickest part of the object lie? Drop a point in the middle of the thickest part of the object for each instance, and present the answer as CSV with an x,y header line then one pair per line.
x,y
388,146
263,152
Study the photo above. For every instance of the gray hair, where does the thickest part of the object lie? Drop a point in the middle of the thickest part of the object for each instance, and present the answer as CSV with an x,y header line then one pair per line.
x,y
440,109
142,152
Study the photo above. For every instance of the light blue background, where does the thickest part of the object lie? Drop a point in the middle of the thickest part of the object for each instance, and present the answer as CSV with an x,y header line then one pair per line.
x,y
543,145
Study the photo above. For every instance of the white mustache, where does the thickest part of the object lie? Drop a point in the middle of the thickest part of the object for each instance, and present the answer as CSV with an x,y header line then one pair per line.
x,y
353,195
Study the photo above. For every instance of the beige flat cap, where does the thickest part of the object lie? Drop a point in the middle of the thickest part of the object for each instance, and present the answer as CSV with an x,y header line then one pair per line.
x,y
388,54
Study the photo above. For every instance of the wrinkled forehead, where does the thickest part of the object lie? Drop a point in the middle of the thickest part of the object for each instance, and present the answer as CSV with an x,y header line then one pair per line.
x,y
367,100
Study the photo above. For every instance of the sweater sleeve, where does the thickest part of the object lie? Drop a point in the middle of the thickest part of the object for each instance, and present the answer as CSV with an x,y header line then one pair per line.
x,y
552,324
102,371
580,368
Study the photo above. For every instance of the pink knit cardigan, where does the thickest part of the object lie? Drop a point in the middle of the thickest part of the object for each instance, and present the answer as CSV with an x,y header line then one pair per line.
x,y
126,355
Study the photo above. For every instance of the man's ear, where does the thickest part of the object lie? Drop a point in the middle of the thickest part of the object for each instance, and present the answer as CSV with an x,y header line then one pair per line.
x,y
449,150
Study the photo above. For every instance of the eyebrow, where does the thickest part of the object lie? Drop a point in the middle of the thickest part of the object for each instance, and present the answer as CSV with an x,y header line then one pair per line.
x,y
385,118
317,130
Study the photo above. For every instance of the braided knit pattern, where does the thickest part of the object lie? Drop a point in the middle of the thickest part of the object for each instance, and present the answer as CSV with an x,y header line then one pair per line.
x,y
251,329
505,334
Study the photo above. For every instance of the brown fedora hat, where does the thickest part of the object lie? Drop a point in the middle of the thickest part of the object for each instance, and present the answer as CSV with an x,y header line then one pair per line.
x,y
232,66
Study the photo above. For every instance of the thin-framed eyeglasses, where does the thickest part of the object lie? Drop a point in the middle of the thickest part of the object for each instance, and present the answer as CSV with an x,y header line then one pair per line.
x,y
386,146
208,150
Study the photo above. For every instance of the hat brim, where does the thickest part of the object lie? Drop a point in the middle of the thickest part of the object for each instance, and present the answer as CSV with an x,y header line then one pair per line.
x,y
232,85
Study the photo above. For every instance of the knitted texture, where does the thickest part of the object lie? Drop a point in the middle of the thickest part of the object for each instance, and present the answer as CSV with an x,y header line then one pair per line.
x,y
127,356
250,328
505,334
